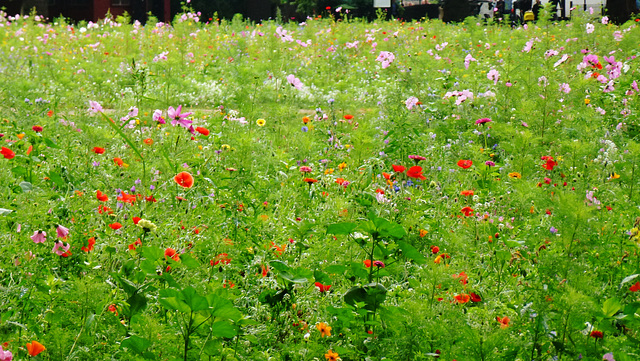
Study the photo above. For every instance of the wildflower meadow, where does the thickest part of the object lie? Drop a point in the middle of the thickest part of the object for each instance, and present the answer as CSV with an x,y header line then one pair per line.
x,y
334,189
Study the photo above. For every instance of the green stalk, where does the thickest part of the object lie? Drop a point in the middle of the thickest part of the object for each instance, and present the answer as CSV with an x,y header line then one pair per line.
x,y
130,143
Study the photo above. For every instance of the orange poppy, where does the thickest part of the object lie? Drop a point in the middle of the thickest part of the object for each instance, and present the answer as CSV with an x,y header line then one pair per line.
x,y
467,193
171,253
184,179
101,196
148,141
468,211
348,117
98,150
34,348
127,198
115,226
462,298
504,321
30,149
118,161
90,243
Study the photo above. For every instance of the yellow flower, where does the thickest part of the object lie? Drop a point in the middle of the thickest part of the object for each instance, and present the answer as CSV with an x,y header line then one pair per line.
x,y
328,171
587,101
423,232
515,175
261,122
225,147
331,356
20,136
325,330
342,165
614,175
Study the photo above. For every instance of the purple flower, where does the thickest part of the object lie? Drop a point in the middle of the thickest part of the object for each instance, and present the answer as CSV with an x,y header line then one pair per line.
x,y
553,230
378,264
482,121
179,118
39,236
62,232
490,163
96,164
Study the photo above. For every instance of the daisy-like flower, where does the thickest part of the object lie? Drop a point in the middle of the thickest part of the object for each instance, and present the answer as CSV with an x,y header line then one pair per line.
x,y
261,122
177,117
94,107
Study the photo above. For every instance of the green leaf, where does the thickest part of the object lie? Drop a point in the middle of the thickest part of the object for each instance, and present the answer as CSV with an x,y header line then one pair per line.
x,y
412,253
222,308
611,307
341,228
223,329
212,348
513,243
189,261
174,304
152,253
136,344
26,186
19,170
280,266
193,300
57,179
50,143
337,269
321,277
372,295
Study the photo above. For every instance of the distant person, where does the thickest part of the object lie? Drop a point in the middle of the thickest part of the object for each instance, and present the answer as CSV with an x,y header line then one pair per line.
x,y
536,10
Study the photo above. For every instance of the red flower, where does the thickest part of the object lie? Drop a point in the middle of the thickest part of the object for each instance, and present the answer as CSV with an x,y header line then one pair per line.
x,y
203,131
635,287
115,226
101,196
462,276
112,308
474,297
103,209
136,220
118,161
504,321
386,176
398,168
98,150
597,334
416,172
348,117
127,198
184,179
550,163
37,128
465,163
171,253
90,243
322,288
468,211
462,298
467,193
435,249
221,258
150,199
7,153
367,263
310,180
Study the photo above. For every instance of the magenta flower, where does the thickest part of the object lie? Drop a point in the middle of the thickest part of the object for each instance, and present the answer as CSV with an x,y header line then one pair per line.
x,y
179,118
60,249
157,116
379,264
62,232
295,82
5,355
39,236
490,163
482,121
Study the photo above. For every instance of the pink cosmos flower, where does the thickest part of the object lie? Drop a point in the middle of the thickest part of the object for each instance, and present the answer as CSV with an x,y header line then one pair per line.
x,y
39,236
386,58
62,232
5,355
94,107
411,102
295,82
157,117
179,118
482,121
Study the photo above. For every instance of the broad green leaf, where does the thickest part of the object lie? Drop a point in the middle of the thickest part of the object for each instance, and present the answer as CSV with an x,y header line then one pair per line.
x,y
26,186
193,300
223,329
152,253
189,261
135,344
611,307
174,304
341,228
50,143
57,179
19,170
412,253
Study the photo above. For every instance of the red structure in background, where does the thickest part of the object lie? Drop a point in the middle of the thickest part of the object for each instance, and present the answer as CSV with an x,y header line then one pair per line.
x,y
93,10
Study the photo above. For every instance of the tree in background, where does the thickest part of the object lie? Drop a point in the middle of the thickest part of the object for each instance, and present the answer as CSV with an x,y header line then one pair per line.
x,y
619,11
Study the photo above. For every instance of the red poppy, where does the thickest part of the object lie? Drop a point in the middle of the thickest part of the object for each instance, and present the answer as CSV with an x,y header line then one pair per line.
x,y
504,321
550,163
221,258
367,263
416,172
118,161
398,168
348,117
265,270
310,180
127,198
474,297
171,253
597,334
465,163
462,276
468,211
467,193
150,199
103,209
386,176
136,220
322,288
148,141
50,113
98,150
435,249
90,243
37,128
184,180
380,191
635,287
7,153
462,298
115,226
101,196
112,308
203,131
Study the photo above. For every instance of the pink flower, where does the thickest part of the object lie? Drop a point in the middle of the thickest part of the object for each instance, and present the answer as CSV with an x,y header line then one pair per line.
x,y
295,82
60,249
411,102
62,232
179,118
5,355
305,169
386,58
157,116
482,121
94,107
39,237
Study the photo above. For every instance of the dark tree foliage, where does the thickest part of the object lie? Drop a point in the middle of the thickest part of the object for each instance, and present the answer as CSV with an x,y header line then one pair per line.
x,y
619,11
456,10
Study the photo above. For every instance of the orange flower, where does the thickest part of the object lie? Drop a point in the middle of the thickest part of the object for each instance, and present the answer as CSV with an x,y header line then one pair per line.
x,y
90,243
423,232
305,120
467,193
203,131
331,356
171,253
504,322
465,163
115,226
148,141
30,149
127,198
325,330
462,298
184,180
98,150
101,196
468,211
20,136
348,117
34,348
118,161
310,180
